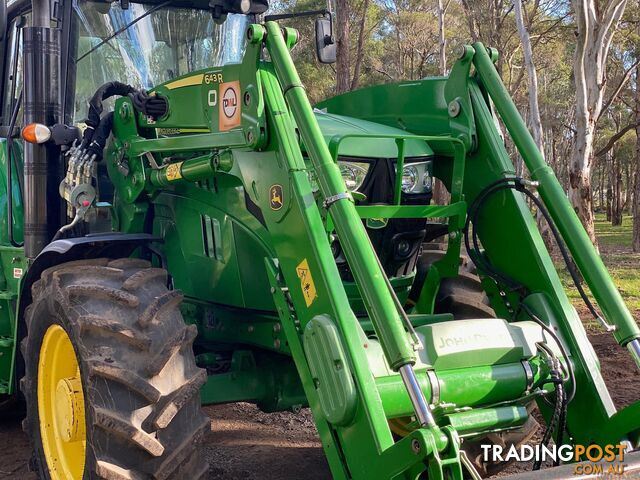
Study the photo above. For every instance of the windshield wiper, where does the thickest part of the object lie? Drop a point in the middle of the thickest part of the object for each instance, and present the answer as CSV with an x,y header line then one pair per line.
x,y
124,29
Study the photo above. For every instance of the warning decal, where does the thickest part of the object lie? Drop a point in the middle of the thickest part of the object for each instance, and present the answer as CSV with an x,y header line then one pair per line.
x,y
229,110
174,171
306,282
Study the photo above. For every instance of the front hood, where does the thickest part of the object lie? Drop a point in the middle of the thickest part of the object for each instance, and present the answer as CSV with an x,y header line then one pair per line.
x,y
333,126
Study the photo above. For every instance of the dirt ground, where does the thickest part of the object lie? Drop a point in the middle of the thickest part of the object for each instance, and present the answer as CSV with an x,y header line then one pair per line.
x,y
246,444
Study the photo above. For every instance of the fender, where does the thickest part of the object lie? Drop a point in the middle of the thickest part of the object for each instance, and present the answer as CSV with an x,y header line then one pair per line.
x,y
110,245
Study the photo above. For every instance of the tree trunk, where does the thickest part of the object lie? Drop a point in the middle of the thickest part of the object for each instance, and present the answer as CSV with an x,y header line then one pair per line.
x,y
596,24
473,27
616,214
636,196
628,200
442,40
580,174
343,63
360,48
601,188
535,122
440,193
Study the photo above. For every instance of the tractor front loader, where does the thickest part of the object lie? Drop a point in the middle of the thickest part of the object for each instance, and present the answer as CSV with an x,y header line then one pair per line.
x,y
182,227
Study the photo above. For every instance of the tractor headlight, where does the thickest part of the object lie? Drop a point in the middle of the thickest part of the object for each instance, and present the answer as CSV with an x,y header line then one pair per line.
x,y
416,177
353,174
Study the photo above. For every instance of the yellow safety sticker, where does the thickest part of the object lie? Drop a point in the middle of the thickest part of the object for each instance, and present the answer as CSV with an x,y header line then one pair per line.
x,y
186,81
306,282
174,171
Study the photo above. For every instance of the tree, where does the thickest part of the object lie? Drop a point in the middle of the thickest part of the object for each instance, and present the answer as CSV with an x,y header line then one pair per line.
x,y
535,122
442,39
636,195
362,33
596,24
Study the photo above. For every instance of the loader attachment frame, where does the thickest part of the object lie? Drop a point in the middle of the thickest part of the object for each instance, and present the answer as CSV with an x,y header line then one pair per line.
x,y
357,428
474,97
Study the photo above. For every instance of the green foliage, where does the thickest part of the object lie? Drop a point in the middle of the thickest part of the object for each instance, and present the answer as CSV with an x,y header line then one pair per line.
x,y
615,244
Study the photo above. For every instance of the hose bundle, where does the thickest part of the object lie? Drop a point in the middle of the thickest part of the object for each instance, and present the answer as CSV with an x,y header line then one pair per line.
x,y
99,128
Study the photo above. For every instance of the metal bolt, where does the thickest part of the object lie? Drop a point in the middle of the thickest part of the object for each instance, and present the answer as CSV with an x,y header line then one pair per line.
x,y
250,329
250,136
453,235
247,98
277,327
125,111
454,108
276,344
415,446
273,290
463,52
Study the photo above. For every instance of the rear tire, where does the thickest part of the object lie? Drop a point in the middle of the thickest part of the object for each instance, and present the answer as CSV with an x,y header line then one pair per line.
x,y
463,296
140,384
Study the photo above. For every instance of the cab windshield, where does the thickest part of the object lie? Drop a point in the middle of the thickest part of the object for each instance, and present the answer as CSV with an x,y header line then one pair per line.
x,y
164,44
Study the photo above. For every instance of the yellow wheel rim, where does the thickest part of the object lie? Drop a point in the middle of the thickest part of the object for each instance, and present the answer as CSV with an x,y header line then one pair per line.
x,y
61,406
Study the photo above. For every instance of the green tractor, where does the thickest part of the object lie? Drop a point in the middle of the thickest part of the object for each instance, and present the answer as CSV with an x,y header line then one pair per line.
x,y
181,227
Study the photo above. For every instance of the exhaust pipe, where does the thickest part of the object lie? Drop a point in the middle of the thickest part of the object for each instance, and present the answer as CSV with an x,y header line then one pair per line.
x,y
42,104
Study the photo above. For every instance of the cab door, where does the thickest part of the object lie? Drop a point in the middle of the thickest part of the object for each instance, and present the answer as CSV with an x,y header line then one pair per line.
x,y
11,165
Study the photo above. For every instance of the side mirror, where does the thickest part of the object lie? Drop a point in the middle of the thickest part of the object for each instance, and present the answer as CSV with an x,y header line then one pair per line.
x,y
325,43
3,19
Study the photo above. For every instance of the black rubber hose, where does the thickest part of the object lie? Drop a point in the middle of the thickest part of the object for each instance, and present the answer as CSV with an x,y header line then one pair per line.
x,y
100,136
106,91
563,250
518,184
558,406
552,334
474,253
155,106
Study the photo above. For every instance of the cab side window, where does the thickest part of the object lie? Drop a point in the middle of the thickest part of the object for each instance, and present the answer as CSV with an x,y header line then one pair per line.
x,y
13,72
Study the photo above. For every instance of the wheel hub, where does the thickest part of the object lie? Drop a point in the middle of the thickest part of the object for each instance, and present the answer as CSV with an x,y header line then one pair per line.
x,y
69,405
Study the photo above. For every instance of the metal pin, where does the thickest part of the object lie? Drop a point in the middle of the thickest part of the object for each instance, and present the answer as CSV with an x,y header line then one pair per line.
x,y
634,348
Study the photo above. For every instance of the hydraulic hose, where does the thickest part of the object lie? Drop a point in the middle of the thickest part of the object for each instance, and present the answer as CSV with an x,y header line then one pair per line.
x,y
485,266
591,266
